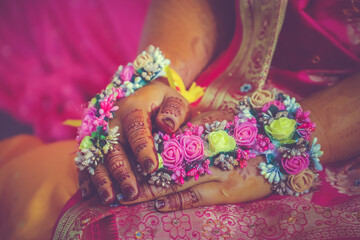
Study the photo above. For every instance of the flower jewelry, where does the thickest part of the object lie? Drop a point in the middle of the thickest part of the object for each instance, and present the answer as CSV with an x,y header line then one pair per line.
x,y
273,125
94,136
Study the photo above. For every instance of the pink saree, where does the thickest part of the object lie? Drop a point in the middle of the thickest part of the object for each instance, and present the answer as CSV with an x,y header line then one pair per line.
x,y
317,47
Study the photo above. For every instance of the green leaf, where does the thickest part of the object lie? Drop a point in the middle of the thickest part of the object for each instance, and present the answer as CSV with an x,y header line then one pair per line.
x,y
86,143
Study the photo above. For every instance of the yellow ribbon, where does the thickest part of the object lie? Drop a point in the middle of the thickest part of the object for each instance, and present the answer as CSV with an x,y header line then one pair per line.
x,y
192,95
72,122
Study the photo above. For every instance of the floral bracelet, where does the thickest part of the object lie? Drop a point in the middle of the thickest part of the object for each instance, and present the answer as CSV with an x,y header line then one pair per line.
x,y
94,136
276,128
272,125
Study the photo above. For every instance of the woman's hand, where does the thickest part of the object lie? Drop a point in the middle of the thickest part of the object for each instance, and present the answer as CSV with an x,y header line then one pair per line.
x,y
221,187
135,116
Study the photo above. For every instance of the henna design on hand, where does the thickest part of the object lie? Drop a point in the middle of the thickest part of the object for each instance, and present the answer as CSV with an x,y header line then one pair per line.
x,y
173,106
119,172
136,130
84,184
182,200
117,168
152,192
189,198
99,180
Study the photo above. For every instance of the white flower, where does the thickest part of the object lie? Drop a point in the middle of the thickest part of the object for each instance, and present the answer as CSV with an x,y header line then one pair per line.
x,y
315,155
158,56
113,134
270,172
129,86
291,104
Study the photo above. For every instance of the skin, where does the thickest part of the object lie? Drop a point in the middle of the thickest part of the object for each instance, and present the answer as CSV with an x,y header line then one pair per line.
x,y
238,185
336,132
200,35
189,33
191,42
156,104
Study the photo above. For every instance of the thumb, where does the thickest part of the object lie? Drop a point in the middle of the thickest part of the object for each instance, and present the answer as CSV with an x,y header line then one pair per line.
x,y
200,195
173,112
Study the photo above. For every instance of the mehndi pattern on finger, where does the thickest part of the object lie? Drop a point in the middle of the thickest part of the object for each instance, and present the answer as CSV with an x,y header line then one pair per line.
x,y
95,138
270,124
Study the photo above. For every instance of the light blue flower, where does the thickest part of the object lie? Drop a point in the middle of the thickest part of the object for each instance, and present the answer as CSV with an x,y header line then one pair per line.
x,y
245,114
291,104
315,154
129,88
158,57
245,88
271,172
138,83
270,158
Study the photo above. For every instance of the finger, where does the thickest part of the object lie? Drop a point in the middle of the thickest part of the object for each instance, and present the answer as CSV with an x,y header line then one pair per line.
x,y
103,184
174,111
137,128
210,117
85,185
149,192
200,195
120,169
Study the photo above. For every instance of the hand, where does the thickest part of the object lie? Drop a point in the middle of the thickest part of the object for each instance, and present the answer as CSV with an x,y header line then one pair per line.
x,y
222,187
134,118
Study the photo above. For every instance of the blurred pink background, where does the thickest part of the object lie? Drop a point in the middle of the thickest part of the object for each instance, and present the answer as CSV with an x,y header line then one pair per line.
x,y
55,55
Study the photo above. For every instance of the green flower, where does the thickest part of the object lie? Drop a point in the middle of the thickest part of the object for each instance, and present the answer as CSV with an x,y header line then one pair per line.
x,y
220,141
282,130
93,101
86,143
161,161
109,86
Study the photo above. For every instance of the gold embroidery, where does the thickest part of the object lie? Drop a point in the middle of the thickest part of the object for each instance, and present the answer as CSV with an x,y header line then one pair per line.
x,y
353,13
261,24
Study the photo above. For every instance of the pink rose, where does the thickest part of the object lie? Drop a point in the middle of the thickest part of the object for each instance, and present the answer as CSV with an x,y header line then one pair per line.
x,y
173,154
295,164
88,124
276,103
245,134
193,147
127,73
306,129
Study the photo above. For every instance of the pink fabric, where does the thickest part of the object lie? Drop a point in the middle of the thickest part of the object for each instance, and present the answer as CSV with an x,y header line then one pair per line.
x,y
55,55
331,212
318,45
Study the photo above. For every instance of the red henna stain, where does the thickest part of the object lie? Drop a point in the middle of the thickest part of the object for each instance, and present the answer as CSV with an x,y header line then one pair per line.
x,y
137,131
173,106
174,201
182,200
189,198
99,180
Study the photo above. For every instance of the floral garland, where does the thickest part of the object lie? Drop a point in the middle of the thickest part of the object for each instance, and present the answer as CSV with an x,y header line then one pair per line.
x,y
273,125
94,136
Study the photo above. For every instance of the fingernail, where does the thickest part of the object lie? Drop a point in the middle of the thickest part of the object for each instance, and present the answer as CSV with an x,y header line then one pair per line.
x,y
83,192
104,195
169,122
159,204
119,197
149,165
129,192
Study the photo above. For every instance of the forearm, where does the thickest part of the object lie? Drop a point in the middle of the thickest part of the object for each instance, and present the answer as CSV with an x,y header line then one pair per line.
x,y
336,112
189,33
